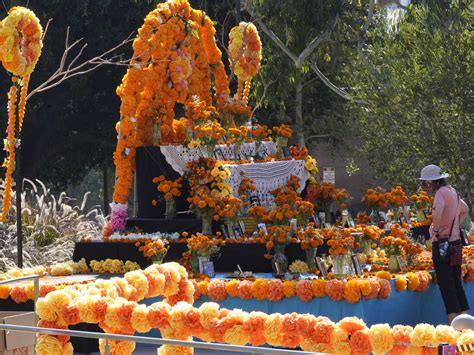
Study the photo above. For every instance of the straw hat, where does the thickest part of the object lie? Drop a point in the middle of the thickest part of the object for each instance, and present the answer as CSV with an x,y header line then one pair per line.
x,y
432,172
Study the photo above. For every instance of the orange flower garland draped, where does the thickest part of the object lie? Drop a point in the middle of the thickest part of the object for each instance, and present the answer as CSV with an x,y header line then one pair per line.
x,y
175,57
113,304
20,48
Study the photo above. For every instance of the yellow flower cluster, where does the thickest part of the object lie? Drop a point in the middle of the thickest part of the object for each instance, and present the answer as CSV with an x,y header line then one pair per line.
x,y
245,51
21,24
299,266
113,266
69,268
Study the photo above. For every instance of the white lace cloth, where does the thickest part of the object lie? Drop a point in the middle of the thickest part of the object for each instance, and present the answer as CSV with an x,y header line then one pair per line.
x,y
268,176
178,156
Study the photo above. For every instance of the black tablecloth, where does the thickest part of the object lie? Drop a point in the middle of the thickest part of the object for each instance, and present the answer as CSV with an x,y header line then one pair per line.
x,y
180,224
150,163
248,255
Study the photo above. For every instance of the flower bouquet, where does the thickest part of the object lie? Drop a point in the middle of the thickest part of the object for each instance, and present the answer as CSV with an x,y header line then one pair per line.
x,y
202,248
277,238
209,134
155,250
323,194
170,190
310,239
394,245
421,203
259,134
341,246
282,134
208,188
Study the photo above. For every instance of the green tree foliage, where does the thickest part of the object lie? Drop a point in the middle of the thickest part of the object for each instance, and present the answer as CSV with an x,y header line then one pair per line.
x,y
296,23
423,113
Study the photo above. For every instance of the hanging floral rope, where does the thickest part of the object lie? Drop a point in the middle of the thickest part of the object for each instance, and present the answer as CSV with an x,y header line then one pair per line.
x,y
20,48
245,51
162,74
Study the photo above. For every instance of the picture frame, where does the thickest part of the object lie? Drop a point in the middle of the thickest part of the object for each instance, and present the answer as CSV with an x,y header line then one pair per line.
x,y
350,222
294,225
402,264
355,262
238,157
262,227
286,152
317,222
277,268
224,231
219,154
237,231
208,268
321,266
254,200
262,154
242,226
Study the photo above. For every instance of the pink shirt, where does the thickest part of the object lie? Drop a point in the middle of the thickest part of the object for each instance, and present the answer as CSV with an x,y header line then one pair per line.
x,y
448,197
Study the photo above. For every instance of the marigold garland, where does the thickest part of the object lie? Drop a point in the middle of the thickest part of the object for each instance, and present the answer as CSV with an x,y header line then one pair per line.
x,y
189,57
245,51
20,49
113,304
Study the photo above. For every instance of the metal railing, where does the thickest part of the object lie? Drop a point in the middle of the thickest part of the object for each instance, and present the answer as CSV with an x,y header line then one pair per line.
x,y
149,340
35,279
137,339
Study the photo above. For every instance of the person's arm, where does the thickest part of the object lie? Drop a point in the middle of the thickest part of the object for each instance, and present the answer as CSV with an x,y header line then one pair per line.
x,y
463,211
437,212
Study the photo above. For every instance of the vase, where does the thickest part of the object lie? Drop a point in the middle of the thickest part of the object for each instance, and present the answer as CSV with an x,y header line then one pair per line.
x,y
280,143
420,216
206,221
210,151
170,212
342,265
279,260
311,257
157,259
194,263
393,265
366,246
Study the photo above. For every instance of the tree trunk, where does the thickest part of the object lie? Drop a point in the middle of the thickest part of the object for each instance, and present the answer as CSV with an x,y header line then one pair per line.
x,y
299,108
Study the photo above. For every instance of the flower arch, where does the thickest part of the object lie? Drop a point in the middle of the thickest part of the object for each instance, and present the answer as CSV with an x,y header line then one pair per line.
x,y
175,57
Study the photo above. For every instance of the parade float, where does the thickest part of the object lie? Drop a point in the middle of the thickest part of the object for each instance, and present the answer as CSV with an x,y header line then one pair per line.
x,y
231,237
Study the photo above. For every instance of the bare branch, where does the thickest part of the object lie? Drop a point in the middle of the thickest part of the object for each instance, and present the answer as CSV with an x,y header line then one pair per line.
x,y
269,32
46,29
330,85
314,136
265,89
72,69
